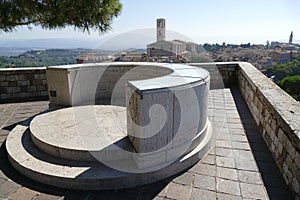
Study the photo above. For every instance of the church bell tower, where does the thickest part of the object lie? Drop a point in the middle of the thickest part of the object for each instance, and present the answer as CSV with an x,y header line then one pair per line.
x,y
291,38
161,29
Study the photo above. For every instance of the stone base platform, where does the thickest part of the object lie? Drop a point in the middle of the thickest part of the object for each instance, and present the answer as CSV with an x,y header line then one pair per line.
x,y
83,148
63,133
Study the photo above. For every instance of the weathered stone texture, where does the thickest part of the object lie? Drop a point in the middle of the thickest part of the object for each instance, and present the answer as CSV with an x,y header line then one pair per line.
x,y
274,112
223,75
20,84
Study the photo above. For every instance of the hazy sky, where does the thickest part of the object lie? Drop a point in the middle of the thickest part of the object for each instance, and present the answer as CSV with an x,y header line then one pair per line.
x,y
230,21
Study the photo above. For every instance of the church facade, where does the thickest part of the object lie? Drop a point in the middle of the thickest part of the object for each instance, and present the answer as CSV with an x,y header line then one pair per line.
x,y
175,48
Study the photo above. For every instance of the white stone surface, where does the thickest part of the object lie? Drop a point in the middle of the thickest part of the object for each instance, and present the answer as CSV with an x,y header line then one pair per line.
x,y
26,158
167,111
79,133
84,84
79,84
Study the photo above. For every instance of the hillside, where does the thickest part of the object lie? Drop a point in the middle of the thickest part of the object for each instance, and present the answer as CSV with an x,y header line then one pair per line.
x,y
39,58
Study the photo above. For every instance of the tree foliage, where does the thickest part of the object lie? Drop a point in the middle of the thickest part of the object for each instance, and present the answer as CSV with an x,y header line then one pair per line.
x,y
200,59
40,58
291,85
281,71
83,15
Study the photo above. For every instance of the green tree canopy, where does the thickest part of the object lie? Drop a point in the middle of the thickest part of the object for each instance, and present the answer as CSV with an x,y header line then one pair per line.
x,y
83,15
291,85
283,70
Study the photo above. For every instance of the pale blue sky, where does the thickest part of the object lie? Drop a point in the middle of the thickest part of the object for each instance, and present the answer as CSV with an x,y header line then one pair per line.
x,y
213,21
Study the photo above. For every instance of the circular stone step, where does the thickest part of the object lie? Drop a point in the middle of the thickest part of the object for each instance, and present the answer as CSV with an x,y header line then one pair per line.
x,y
85,133
35,164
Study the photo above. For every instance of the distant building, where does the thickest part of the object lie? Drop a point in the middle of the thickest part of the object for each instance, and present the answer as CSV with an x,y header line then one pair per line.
x,y
291,38
264,63
166,48
275,44
281,57
161,30
93,58
130,56
163,48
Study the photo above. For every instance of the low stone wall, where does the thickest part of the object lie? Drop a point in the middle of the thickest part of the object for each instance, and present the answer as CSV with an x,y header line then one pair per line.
x,y
276,113
96,83
223,75
21,84
278,117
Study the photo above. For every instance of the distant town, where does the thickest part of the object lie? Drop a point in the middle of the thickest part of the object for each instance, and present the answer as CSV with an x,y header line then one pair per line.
x,y
277,60
261,56
178,51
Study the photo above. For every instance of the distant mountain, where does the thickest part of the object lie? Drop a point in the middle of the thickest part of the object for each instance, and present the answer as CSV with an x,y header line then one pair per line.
x,y
38,58
57,43
14,51
286,41
296,41
136,50
14,47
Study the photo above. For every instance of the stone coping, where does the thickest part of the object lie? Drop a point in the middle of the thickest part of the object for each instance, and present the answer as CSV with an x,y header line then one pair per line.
x,y
180,74
22,69
285,108
78,133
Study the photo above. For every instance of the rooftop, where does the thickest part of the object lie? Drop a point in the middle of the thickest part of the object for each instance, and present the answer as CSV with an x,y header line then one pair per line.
x,y
240,166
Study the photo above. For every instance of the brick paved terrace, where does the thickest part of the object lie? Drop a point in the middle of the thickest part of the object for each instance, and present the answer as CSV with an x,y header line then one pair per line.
x,y
239,167
256,151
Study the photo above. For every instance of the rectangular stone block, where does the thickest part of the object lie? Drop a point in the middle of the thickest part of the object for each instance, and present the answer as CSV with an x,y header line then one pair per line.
x,y
2,78
13,89
5,96
35,94
290,149
24,94
23,77
3,84
37,82
44,93
40,88
44,81
39,76
31,88
150,133
13,83
148,160
11,78
281,136
23,83
280,148
297,159
59,84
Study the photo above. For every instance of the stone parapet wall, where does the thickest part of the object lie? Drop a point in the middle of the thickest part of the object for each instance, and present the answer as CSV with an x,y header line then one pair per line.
x,y
275,112
278,117
223,75
97,83
21,84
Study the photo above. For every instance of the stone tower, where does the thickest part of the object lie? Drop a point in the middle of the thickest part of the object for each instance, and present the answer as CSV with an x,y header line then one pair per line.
x,y
291,38
161,29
